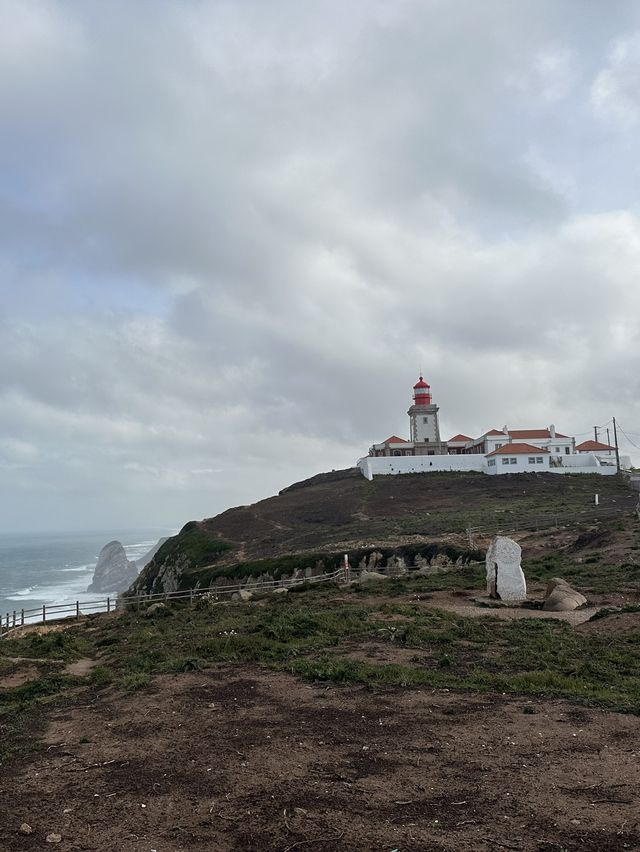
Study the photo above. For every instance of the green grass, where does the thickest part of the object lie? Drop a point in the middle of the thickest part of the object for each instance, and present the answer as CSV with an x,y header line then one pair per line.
x,y
193,546
591,575
313,634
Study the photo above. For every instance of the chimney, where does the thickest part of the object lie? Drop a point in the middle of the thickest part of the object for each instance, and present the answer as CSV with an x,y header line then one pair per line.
x,y
552,431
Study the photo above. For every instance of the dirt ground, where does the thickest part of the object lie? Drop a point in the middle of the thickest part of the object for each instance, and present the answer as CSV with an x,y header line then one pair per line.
x,y
239,758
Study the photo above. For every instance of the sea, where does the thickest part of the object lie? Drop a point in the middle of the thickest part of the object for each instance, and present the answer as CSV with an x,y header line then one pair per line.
x,y
48,568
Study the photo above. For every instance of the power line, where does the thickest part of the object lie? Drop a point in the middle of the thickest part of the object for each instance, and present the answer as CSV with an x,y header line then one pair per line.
x,y
633,443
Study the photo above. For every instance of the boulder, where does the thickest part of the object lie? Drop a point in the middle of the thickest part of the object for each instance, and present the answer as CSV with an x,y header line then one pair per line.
x,y
505,578
245,595
560,597
371,577
426,571
156,609
280,591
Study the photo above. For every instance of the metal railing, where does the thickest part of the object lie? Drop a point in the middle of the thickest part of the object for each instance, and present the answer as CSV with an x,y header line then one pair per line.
x,y
46,613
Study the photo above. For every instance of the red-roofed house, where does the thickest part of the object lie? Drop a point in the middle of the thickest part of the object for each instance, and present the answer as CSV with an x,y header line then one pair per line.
x,y
544,439
517,458
594,447
456,445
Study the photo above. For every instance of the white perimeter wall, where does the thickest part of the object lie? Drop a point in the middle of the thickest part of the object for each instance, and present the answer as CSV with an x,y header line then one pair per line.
x,y
371,466
393,465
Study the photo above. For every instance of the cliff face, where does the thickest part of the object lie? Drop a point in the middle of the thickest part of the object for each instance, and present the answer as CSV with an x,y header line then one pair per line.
x,y
330,514
114,572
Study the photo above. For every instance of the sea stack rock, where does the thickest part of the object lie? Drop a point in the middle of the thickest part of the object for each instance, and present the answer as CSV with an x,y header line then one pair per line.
x,y
113,572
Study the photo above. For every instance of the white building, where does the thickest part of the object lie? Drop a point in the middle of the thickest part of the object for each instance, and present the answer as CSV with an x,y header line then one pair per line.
x,y
517,458
497,451
545,439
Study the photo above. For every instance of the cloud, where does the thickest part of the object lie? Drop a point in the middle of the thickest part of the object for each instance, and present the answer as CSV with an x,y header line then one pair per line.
x,y
230,235
615,93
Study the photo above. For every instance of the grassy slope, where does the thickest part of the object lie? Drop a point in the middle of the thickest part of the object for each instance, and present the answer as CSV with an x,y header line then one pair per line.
x,y
314,632
334,509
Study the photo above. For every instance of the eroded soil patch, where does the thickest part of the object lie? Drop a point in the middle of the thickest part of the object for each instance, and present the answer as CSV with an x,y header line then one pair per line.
x,y
238,758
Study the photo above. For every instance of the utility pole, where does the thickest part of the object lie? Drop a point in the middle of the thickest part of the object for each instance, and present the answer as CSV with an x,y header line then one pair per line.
x,y
595,433
609,440
615,438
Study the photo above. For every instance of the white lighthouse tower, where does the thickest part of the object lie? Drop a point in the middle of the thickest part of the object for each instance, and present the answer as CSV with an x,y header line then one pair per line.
x,y
423,419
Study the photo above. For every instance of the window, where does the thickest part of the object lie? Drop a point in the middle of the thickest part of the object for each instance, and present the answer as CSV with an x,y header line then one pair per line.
x,y
397,453
513,461
556,449
498,446
505,461
425,419
539,459
492,462
532,460
567,451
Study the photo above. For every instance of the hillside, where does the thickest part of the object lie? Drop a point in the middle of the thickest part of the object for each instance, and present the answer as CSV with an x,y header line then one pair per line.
x,y
338,512
412,714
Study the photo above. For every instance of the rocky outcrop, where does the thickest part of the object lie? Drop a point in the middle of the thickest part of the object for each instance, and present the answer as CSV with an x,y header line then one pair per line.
x,y
113,572
144,560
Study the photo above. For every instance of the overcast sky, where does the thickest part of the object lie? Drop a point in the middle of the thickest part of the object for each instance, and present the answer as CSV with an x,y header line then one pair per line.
x,y
231,233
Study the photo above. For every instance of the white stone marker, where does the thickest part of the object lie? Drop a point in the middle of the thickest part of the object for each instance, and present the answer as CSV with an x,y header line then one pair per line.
x,y
505,579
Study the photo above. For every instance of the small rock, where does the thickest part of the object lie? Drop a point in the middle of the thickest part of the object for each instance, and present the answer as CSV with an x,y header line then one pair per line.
x,y
156,609
371,577
245,595
281,591
53,838
25,828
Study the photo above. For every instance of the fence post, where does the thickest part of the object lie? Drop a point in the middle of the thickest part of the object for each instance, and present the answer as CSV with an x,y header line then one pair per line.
x,y
108,605
14,618
22,617
77,609
44,613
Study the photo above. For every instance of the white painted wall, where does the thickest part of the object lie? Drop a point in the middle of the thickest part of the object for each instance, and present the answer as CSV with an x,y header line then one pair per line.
x,y
394,465
518,463
391,465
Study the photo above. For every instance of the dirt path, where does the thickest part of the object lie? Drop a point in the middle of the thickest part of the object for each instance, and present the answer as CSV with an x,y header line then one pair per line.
x,y
244,759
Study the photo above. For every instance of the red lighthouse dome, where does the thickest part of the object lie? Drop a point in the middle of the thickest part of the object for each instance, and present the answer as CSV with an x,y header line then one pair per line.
x,y
421,393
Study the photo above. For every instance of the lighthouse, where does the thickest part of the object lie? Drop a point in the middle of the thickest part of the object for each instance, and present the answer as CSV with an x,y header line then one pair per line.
x,y
423,420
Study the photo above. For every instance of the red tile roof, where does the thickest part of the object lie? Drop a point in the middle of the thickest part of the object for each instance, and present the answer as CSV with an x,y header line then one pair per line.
x,y
516,449
493,432
593,447
459,438
534,433
395,440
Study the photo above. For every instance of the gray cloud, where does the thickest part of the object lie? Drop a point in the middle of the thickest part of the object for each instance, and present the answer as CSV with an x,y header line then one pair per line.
x,y
231,233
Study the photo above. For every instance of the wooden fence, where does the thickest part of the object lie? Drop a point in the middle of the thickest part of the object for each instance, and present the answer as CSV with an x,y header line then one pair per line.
x,y
46,613
513,524
553,520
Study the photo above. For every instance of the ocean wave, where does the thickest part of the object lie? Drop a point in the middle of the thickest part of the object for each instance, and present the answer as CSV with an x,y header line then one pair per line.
x,y
21,593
